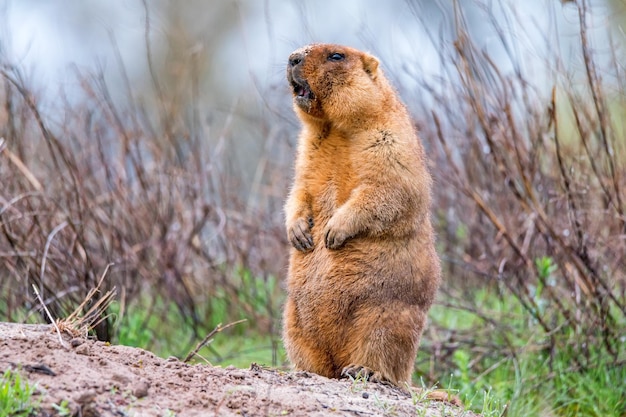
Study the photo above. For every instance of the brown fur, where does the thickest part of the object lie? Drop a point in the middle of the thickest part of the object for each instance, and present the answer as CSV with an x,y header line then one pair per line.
x,y
363,271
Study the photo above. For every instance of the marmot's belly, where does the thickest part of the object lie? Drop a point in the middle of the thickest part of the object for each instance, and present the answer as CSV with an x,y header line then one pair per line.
x,y
334,285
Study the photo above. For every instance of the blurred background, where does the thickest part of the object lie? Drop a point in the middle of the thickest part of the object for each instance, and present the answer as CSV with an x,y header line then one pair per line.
x,y
147,148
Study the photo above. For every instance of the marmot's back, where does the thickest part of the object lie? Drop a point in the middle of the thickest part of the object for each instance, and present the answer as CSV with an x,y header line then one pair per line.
x,y
363,271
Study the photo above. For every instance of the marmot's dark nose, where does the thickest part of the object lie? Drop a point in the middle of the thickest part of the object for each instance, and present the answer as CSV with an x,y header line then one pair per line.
x,y
295,59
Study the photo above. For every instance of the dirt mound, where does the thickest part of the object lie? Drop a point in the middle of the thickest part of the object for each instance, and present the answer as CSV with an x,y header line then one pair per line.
x,y
99,379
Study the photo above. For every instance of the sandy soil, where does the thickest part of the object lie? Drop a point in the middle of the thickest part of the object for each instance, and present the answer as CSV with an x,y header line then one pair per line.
x,y
98,379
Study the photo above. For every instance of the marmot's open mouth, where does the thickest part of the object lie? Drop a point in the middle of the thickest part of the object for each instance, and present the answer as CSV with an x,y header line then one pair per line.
x,y
302,90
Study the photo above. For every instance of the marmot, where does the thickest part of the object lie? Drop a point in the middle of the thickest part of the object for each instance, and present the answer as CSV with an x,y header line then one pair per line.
x,y
363,269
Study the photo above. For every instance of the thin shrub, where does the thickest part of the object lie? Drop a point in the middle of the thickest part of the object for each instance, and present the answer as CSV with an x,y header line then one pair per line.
x,y
143,189
530,206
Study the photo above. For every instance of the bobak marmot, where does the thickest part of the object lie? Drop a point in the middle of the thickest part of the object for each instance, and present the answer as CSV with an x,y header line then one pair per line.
x,y
363,270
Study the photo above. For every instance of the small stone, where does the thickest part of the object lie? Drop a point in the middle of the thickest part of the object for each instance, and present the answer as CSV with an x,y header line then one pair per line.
x,y
77,341
120,379
83,349
86,397
365,395
140,390
238,374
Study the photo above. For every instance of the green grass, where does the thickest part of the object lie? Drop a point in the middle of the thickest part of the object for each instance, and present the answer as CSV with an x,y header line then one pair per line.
x,y
169,335
16,396
533,382
158,325
530,388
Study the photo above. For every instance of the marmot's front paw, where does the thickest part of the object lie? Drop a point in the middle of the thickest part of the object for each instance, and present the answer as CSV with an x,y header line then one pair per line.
x,y
299,234
335,234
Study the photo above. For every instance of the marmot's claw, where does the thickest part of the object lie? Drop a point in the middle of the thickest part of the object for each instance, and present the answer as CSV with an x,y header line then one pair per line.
x,y
303,242
334,239
302,246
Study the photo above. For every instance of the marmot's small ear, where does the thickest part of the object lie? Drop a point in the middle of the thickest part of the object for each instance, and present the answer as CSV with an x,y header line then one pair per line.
x,y
370,65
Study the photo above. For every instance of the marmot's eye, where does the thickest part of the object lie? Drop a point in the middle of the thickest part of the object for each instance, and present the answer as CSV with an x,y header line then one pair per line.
x,y
336,56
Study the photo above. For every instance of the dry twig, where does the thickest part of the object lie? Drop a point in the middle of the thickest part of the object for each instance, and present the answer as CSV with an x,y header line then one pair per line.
x,y
208,337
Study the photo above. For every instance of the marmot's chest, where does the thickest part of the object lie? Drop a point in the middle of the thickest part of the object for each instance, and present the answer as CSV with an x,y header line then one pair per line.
x,y
332,176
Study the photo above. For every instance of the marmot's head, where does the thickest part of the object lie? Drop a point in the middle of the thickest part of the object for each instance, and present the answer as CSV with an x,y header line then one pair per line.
x,y
334,83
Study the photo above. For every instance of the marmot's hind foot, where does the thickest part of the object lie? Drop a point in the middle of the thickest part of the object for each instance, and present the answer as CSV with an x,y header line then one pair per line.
x,y
359,372
444,396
